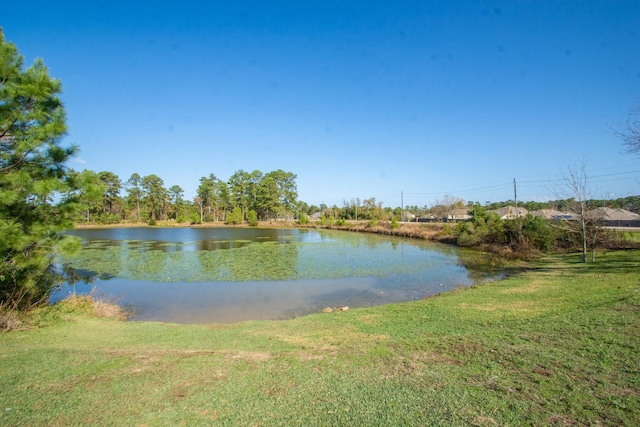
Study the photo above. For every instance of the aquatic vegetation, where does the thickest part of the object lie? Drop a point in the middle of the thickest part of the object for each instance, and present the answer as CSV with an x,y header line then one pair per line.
x,y
290,258
228,275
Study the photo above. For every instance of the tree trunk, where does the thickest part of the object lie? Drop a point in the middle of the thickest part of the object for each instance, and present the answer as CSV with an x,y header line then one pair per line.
x,y
584,240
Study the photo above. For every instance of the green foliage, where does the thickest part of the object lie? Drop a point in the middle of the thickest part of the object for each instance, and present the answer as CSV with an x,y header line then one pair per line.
x,y
87,189
536,233
154,195
206,196
372,223
520,234
109,218
304,219
483,227
195,218
447,229
134,194
112,186
341,222
326,220
32,173
252,218
235,217
394,222
151,222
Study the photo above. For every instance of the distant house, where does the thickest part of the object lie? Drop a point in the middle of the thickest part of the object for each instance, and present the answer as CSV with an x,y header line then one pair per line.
x,y
452,215
510,212
614,217
554,215
428,218
407,216
315,216
458,214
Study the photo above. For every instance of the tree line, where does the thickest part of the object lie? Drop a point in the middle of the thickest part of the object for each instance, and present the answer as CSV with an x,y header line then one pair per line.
x,y
368,209
104,198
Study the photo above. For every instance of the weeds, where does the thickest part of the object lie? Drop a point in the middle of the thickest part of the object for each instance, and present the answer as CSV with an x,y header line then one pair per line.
x,y
92,305
97,306
9,318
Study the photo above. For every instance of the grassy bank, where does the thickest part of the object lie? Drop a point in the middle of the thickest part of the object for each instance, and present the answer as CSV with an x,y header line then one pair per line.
x,y
555,345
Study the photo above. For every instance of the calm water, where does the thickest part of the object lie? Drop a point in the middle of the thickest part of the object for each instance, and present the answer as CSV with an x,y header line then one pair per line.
x,y
207,275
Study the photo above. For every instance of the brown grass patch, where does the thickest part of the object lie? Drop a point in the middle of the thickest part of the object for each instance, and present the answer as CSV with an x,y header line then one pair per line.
x,y
530,288
251,356
102,308
413,364
97,306
484,421
9,320
525,306
466,349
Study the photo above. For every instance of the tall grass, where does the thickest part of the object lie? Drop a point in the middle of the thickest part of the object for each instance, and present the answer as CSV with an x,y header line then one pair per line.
x,y
92,305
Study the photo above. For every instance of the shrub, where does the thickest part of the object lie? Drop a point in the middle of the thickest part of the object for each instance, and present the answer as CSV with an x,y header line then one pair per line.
x,y
252,218
235,216
326,220
372,223
304,219
108,218
483,227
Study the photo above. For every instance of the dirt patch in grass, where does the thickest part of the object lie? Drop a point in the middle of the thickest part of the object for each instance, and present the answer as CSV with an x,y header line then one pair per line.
x,y
529,288
250,356
415,364
522,306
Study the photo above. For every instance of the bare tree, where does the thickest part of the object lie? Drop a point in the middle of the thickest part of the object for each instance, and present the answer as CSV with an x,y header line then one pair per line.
x,y
629,132
442,208
574,185
595,221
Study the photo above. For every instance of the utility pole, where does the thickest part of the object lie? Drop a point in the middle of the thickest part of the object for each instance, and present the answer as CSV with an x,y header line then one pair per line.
x,y
515,196
401,205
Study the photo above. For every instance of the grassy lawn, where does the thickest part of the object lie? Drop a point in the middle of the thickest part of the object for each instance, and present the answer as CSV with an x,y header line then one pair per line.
x,y
631,236
555,345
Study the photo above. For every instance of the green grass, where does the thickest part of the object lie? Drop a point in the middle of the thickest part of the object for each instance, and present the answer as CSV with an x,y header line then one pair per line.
x,y
631,236
554,345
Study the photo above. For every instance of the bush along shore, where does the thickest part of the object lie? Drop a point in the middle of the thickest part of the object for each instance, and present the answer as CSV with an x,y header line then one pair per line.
x,y
526,237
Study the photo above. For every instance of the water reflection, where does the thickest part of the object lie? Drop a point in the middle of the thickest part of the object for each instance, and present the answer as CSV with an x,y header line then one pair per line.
x,y
231,274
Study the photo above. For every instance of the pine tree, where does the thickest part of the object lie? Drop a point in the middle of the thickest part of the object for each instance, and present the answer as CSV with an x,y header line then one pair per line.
x,y
32,174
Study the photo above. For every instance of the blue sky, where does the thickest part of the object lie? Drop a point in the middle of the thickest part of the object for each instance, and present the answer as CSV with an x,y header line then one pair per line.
x,y
359,99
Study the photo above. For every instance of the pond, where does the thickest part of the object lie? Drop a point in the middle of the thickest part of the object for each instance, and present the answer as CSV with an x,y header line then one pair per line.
x,y
226,275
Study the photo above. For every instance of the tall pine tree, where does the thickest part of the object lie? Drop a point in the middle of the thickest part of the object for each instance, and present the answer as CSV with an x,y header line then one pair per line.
x,y
32,173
